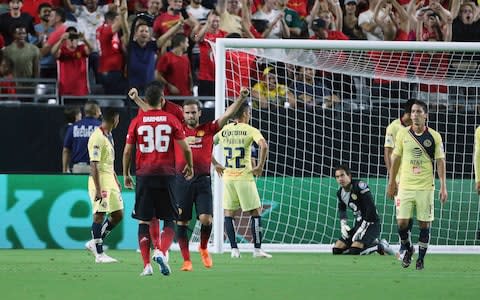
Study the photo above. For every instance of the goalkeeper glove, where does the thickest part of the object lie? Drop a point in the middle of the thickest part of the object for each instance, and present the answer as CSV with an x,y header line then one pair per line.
x,y
344,228
362,229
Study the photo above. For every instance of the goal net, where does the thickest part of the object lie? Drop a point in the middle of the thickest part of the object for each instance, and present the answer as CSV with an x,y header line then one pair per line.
x,y
324,103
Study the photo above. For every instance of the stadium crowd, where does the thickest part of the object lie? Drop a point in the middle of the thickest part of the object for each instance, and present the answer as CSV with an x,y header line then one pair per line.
x,y
109,46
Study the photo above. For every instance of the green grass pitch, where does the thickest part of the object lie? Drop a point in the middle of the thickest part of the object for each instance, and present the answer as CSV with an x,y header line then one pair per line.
x,y
72,274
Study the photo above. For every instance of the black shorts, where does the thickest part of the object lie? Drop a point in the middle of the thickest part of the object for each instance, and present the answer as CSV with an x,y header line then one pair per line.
x,y
197,191
154,198
373,233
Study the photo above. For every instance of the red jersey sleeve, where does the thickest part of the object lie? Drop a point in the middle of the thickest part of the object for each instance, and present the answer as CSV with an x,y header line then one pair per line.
x,y
177,130
132,132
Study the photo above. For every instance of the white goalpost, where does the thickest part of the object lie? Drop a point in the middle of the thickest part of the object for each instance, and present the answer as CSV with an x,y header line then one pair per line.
x,y
339,115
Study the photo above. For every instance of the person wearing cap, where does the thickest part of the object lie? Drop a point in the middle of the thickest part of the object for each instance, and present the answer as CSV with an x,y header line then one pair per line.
x,y
321,31
269,91
350,21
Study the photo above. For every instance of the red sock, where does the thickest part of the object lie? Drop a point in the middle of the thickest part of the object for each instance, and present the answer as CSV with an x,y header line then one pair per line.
x,y
155,233
182,239
166,239
144,243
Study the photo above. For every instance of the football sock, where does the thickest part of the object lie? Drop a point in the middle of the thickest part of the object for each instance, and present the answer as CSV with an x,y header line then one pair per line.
x,y
355,251
404,238
182,239
97,236
336,251
166,238
256,228
230,229
205,231
107,227
144,242
423,241
410,226
155,233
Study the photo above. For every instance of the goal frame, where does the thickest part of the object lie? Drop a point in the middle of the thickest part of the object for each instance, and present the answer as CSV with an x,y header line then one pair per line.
x,y
219,244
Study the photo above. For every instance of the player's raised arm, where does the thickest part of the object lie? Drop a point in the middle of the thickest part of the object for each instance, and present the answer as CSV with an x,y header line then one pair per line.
x,y
133,94
232,109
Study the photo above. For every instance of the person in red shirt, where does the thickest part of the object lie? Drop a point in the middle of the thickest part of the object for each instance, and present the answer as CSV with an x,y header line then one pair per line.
x,y
208,34
173,68
321,31
153,134
199,189
111,50
7,85
174,13
72,63
177,111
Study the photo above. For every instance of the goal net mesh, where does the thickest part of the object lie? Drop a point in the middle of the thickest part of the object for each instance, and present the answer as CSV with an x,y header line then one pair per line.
x,y
321,108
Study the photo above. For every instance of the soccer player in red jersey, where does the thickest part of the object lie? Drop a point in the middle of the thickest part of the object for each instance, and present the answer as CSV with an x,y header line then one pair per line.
x,y
198,191
153,133
177,111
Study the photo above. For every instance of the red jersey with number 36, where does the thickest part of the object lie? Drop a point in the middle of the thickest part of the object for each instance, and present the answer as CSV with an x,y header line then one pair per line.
x,y
154,132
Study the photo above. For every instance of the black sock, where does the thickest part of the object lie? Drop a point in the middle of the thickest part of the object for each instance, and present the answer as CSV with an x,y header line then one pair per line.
x,y
97,236
205,231
107,227
230,229
256,228
404,238
423,241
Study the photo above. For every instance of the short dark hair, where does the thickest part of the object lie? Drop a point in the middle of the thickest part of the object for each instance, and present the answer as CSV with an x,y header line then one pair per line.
x,y
178,39
60,12
43,5
192,102
422,104
154,92
344,168
90,108
110,15
109,114
15,26
407,106
243,108
70,113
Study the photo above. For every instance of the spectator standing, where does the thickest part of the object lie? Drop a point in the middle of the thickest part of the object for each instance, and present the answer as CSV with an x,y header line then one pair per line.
x,y
72,63
173,68
25,56
75,151
111,48
15,16
208,34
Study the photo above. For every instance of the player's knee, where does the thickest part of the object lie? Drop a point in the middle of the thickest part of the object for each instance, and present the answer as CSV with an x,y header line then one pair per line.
x,y
355,251
336,251
205,219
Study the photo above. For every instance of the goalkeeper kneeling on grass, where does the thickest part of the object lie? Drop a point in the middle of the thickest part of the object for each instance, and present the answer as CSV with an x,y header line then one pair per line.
x,y
363,238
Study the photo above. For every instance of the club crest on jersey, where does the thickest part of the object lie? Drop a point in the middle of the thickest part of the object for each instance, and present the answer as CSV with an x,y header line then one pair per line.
x,y
427,143
354,197
200,133
362,185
